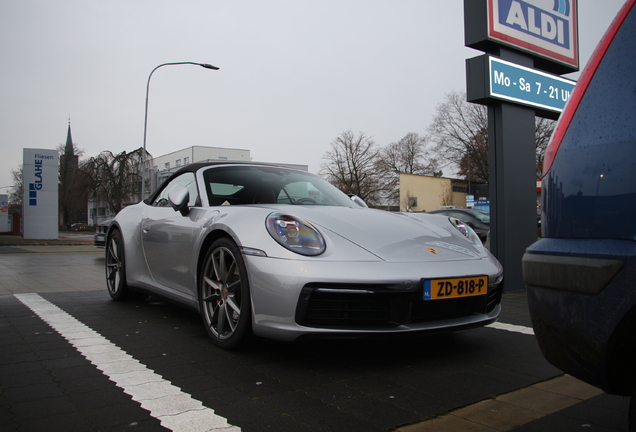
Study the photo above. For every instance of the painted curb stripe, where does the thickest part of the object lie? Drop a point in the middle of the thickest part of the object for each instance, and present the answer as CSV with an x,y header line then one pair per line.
x,y
512,328
176,410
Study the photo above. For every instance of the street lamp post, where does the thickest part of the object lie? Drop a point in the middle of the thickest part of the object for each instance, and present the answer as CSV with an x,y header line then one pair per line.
x,y
143,161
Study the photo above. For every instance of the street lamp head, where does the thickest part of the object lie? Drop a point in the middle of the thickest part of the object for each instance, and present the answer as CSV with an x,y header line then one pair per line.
x,y
208,66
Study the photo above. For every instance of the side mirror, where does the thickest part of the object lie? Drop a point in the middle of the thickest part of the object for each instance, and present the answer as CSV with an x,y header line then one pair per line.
x,y
179,197
356,199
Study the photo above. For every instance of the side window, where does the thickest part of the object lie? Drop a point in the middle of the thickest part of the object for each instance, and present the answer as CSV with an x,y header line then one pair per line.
x,y
185,179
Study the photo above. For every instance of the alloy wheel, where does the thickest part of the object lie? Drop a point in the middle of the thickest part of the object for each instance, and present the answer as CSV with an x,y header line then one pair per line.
x,y
221,293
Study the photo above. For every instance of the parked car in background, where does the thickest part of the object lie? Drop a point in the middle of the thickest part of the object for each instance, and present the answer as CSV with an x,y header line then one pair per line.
x,y
100,233
581,275
479,220
284,254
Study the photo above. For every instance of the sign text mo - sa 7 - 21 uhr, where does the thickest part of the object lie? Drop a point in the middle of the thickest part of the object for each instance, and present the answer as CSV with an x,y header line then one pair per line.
x,y
514,83
491,78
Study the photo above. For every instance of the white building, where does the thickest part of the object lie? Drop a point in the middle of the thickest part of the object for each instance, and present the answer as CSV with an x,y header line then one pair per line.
x,y
193,154
165,165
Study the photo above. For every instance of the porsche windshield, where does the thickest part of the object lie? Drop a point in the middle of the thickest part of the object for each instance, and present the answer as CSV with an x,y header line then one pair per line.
x,y
240,185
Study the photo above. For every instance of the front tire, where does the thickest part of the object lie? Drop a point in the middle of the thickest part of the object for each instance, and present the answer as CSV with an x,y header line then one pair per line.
x,y
224,295
116,267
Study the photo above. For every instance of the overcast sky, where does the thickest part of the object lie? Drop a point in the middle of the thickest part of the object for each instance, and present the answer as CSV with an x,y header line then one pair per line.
x,y
293,75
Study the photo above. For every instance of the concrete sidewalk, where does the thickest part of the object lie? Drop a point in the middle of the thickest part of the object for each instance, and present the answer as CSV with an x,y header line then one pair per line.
x,y
546,407
47,269
16,249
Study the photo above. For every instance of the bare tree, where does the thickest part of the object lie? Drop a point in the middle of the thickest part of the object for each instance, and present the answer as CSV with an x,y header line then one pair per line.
x,y
407,156
350,166
457,129
446,197
15,193
477,152
460,132
408,201
543,132
61,149
115,179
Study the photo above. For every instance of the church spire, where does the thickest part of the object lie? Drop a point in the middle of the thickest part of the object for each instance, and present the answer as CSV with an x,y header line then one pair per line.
x,y
68,150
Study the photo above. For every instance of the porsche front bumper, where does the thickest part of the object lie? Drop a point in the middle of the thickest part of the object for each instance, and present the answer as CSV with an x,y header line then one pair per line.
x,y
294,298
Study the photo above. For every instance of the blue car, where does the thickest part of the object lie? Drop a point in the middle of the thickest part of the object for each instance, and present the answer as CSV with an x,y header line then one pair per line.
x,y
581,275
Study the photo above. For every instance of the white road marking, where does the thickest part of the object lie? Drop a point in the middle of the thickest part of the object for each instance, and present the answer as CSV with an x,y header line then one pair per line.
x,y
175,409
512,328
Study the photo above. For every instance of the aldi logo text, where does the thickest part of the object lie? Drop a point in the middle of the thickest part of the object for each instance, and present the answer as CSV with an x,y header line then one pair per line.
x,y
536,22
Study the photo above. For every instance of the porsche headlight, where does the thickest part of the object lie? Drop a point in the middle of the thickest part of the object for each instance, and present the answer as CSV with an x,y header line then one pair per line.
x,y
466,230
295,234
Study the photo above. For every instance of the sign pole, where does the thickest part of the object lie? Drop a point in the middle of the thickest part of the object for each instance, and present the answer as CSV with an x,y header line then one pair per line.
x,y
512,182
526,43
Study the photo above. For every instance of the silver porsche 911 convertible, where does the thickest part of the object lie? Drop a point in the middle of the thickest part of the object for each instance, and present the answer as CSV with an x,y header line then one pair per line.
x,y
279,253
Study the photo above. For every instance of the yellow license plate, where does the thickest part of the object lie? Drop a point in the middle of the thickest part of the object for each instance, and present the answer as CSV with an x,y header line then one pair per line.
x,y
437,289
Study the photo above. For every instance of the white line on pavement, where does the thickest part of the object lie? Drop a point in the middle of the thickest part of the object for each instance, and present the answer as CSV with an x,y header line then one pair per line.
x,y
175,409
512,328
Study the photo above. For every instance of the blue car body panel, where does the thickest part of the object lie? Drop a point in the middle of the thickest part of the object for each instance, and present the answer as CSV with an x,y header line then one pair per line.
x,y
581,275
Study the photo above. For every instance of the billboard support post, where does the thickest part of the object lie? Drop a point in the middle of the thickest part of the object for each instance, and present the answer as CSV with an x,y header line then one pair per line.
x,y
512,183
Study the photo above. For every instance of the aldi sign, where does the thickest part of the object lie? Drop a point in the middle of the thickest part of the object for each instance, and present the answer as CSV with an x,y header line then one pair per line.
x,y
543,28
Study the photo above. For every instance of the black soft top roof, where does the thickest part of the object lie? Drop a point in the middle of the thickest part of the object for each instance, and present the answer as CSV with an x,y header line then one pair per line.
x,y
194,167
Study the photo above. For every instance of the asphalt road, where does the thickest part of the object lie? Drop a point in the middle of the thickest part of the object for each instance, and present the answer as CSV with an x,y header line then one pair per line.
x,y
73,360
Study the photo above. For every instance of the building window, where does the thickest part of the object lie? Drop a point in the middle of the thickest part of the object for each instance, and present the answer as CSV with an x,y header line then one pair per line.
x,y
178,162
186,160
167,165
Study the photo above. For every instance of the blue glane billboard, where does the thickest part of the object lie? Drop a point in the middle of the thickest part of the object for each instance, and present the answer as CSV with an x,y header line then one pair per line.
x,y
40,193
544,27
514,83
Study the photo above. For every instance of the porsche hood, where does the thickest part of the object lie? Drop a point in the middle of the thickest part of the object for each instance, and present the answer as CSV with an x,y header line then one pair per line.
x,y
394,237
